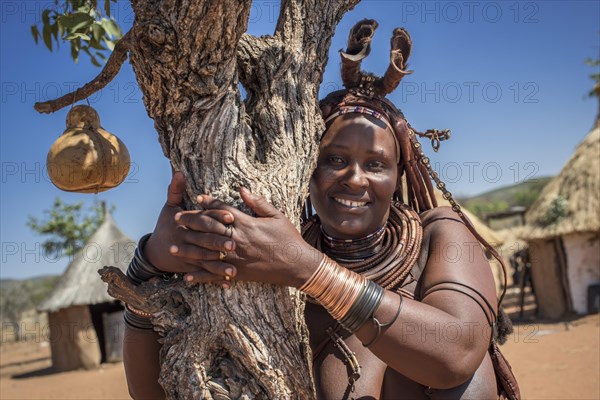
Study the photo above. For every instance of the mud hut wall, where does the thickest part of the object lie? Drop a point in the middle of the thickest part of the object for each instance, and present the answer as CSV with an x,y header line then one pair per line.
x,y
498,274
73,339
583,261
114,333
547,279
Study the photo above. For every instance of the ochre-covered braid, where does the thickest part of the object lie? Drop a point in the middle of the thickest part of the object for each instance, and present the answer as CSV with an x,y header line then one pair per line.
x,y
425,164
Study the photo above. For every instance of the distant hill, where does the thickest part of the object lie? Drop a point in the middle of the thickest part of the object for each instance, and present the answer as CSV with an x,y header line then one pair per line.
x,y
18,296
6,284
35,281
522,194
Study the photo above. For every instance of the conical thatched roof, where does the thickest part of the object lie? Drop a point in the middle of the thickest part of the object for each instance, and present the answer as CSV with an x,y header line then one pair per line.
x,y
570,203
81,284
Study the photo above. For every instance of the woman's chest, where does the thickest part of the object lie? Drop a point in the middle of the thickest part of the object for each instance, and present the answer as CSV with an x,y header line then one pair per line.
x,y
335,357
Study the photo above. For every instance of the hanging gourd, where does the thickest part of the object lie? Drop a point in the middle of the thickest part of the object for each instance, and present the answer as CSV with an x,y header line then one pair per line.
x,y
86,158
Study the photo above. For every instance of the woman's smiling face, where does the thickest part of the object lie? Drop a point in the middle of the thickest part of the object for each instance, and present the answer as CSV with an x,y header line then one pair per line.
x,y
356,175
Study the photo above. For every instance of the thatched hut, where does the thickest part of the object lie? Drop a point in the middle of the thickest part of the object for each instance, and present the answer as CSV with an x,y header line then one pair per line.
x,y
488,234
85,323
563,232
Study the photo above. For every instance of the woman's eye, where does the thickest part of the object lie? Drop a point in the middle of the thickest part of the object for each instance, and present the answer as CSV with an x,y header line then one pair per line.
x,y
334,160
376,165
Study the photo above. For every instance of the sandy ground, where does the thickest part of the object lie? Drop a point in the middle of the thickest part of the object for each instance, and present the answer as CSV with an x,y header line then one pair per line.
x,y
551,361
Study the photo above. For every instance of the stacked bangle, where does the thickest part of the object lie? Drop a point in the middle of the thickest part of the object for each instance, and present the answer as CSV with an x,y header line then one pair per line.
x,y
137,319
349,297
141,270
364,307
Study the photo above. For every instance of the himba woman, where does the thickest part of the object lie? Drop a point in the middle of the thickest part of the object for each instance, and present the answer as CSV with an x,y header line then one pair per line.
x,y
390,315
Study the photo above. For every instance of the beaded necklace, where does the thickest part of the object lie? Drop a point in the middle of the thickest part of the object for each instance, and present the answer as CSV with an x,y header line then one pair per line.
x,y
385,256
353,249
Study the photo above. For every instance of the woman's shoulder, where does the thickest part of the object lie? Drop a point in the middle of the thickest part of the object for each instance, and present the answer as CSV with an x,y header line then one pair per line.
x,y
442,215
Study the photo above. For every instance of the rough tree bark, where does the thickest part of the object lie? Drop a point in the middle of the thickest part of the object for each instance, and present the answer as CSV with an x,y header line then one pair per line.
x,y
188,56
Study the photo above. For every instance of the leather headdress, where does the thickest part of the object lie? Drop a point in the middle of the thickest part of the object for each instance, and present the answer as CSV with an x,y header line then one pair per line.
x,y
368,90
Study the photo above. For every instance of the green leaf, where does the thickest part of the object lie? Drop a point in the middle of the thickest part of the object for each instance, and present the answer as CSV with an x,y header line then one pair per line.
x,y
74,35
101,56
97,32
74,52
68,226
107,7
46,17
95,62
112,28
35,32
110,44
96,45
47,35
54,29
75,21
84,7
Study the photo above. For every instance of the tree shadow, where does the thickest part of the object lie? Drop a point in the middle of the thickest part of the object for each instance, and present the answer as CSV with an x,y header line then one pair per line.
x,y
36,373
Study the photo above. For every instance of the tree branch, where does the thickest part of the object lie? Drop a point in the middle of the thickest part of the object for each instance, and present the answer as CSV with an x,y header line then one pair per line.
x,y
110,70
251,54
122,288
310,24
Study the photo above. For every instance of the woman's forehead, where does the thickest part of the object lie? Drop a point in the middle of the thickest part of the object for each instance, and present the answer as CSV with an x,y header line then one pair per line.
x,y
353,123
365,134
350,129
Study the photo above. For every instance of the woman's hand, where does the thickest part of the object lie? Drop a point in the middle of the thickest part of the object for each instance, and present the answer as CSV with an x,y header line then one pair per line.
x,y
268,248
174,248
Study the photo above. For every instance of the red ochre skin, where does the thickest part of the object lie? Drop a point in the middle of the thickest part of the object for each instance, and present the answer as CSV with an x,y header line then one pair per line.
x,y
357,162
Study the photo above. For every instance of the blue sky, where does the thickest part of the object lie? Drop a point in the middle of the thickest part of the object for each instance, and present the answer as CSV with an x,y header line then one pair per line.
x,y
507,77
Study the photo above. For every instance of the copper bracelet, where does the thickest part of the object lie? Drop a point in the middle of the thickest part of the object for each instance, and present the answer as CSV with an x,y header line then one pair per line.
x,y
334,287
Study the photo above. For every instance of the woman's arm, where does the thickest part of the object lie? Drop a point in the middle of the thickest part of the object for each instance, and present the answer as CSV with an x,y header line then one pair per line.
x,y
438,342
141,351
141,348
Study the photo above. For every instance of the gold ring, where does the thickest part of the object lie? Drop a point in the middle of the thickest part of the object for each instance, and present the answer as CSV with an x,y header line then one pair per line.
x,y
222,255
227,278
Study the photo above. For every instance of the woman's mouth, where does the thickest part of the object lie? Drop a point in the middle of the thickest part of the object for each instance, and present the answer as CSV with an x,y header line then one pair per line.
x,y
349,203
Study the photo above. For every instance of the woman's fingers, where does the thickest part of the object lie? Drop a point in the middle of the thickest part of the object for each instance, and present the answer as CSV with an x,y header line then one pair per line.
x,y
213,271
204,217
258,204
176,190
202,247
210,203
208,221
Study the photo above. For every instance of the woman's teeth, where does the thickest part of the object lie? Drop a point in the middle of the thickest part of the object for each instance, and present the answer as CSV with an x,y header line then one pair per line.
x,y
350,203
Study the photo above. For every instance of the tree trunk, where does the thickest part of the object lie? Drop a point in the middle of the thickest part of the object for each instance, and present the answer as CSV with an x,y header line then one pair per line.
x,y
249,341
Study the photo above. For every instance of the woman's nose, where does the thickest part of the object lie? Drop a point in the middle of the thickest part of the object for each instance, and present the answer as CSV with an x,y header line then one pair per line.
x,y
355,177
